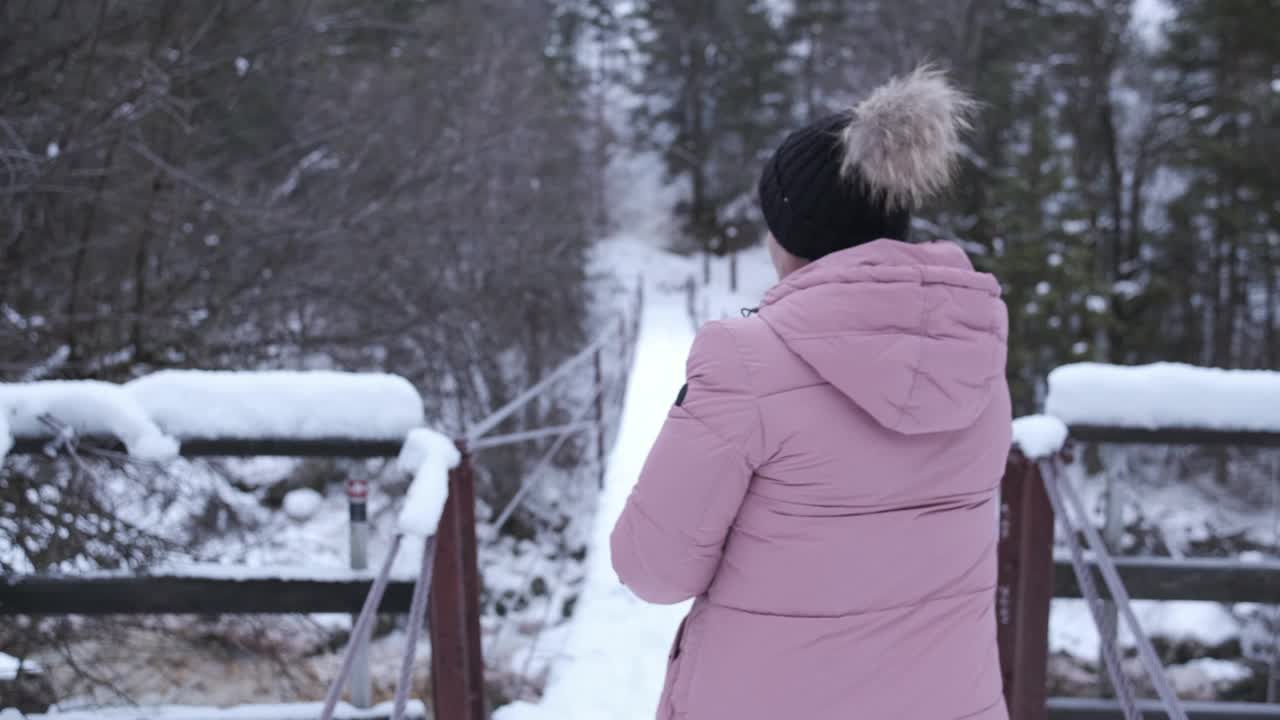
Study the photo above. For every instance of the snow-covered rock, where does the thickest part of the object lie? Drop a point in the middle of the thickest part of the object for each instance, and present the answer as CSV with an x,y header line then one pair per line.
x,y
1071,627
1165,395
302,504
9,666
1205,678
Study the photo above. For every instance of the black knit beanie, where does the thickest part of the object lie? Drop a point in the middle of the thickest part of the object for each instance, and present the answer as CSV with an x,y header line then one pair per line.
x,y
856,176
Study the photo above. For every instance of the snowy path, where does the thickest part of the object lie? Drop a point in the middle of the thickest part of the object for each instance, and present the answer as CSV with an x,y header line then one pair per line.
x,y
615,656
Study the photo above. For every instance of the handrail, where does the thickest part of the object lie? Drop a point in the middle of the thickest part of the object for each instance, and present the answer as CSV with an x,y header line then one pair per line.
x,y
1110,654
493,441
1063,708
613,330
361,628
1146,653
417,611
536,474
452,600
1119,435
485,426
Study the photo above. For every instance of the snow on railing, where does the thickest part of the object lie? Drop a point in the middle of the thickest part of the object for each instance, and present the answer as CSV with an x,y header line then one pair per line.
x,y
154,414
1039,436
1165,396
86,407
332,414
1163,404
428,456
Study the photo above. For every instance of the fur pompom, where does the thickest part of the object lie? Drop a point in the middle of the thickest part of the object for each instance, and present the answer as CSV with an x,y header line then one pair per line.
x,y
904,139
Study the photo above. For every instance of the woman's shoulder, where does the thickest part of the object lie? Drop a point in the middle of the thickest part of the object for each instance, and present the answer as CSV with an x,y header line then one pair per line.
x,y
749,344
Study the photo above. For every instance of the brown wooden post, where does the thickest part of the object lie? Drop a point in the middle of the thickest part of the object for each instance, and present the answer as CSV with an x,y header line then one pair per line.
x,y
1024,588
457,667
624,342
624,360
599,418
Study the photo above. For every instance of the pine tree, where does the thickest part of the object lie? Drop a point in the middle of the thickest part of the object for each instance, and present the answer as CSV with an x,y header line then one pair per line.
x,y
713,74
1221,104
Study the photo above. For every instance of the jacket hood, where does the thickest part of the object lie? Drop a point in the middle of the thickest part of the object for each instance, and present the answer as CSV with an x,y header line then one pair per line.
x,y
911,333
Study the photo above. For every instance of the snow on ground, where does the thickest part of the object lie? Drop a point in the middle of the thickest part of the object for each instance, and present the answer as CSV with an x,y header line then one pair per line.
x,y
614,658
1165,395
1219,671
10,665
1071,628
1188,512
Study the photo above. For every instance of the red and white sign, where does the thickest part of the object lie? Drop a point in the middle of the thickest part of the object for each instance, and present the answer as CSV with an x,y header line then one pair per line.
x,y
357,490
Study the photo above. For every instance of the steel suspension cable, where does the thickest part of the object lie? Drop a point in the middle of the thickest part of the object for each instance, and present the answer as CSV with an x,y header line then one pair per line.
x,y
417,611
1120,596
360,630
1119,681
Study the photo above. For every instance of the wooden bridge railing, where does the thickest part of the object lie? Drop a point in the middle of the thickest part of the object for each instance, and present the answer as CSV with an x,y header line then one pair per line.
x,y
457,672
1030,576
453,609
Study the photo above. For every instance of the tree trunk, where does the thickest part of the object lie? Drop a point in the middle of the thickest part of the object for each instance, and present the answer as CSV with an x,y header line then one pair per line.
x,y
1270,356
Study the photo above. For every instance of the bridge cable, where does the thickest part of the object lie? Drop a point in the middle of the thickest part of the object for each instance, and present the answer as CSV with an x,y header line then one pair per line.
x,y
1119,595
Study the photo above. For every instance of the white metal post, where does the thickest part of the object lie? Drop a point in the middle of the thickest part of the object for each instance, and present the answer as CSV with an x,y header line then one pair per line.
x,y
1112,535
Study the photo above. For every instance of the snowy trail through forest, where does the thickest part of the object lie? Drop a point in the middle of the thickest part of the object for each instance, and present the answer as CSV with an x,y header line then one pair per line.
x,y
614,658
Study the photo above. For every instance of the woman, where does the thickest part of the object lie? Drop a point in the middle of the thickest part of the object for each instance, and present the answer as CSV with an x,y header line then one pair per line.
x,y
825,486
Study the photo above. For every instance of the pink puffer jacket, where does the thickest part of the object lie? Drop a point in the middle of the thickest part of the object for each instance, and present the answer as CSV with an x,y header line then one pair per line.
x,y
826,488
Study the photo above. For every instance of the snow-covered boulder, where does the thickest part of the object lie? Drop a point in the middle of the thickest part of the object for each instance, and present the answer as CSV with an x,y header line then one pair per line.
x,y
1207,678
302,504
10,665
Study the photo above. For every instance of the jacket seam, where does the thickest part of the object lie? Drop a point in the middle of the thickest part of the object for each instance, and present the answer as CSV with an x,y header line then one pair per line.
x,y
893,333
998,701
775,393
751,393
925,313
724,441
860,613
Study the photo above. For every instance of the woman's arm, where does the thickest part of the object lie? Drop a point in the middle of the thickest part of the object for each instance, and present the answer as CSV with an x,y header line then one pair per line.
x,y
668,541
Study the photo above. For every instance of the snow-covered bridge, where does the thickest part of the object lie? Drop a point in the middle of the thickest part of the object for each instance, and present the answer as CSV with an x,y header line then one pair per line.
x,y
612,663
